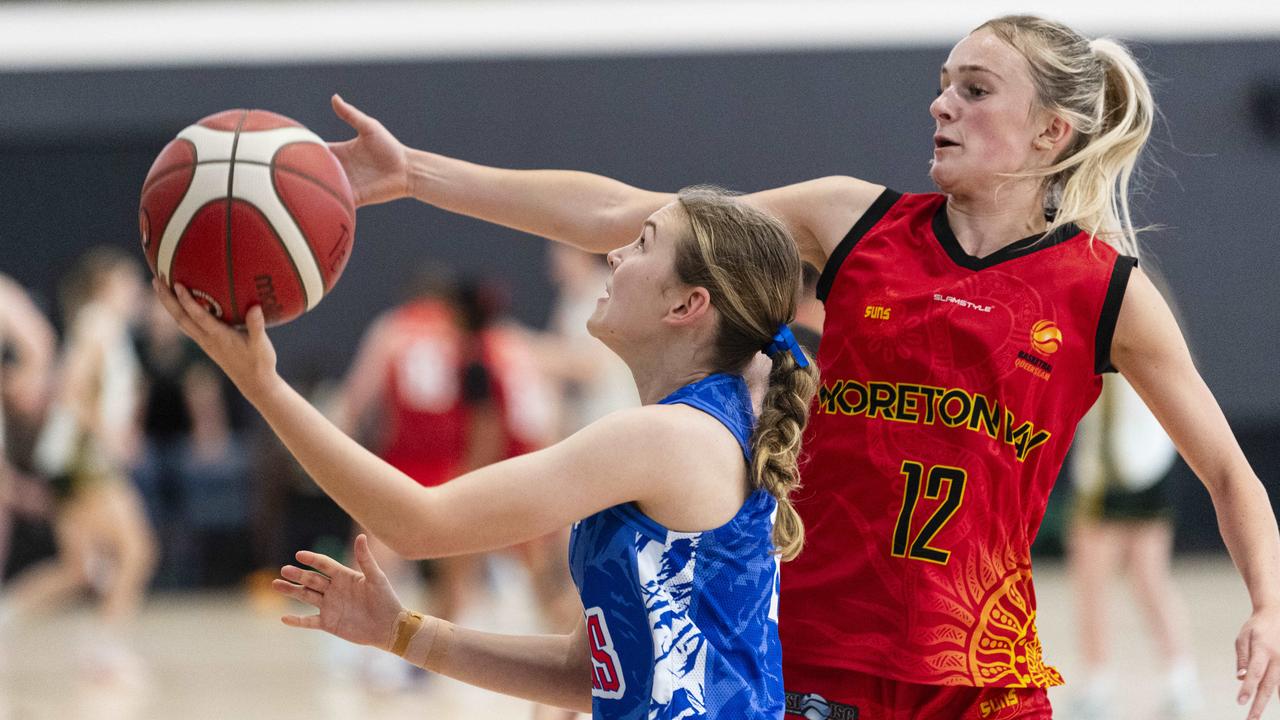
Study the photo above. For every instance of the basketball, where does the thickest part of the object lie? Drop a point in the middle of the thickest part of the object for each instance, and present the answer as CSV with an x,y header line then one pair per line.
x,y
244,208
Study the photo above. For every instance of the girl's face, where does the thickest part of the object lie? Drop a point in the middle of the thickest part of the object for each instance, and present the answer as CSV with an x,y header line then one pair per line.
x,y
989,122
642,285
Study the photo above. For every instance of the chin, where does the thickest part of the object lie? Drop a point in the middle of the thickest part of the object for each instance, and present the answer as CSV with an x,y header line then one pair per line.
x,y
943,179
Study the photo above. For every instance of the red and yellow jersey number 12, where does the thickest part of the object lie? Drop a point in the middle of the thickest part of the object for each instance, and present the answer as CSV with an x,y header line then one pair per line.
x,y
932,484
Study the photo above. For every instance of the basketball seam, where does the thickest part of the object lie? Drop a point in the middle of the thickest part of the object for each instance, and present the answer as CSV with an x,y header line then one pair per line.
x,y
349,207
297,274
275,187
177,245
231,176
151,181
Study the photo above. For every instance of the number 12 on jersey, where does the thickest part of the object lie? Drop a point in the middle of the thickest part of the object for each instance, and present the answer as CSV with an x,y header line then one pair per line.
x,y
938,475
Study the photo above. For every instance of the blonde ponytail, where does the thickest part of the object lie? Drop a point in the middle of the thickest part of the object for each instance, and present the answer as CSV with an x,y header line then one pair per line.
x,y
1100,89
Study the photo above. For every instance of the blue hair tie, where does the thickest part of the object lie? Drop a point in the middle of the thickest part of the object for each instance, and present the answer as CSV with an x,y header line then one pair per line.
x,y
784,341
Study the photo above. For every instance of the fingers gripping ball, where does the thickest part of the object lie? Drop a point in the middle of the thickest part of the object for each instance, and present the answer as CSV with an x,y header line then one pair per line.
x,y
247,208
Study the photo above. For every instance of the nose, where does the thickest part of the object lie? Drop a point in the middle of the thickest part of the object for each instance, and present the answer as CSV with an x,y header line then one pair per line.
x,y
614,257
941,108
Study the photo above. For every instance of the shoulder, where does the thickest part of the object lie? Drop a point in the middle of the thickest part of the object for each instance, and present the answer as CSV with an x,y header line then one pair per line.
x,y
659,426
670,440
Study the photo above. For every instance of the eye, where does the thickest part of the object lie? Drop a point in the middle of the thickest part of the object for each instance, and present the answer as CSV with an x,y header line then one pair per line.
x,y
976,91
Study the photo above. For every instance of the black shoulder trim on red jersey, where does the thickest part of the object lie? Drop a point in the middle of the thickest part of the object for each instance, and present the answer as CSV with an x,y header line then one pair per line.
x,y
868,220
1111,312
1027,245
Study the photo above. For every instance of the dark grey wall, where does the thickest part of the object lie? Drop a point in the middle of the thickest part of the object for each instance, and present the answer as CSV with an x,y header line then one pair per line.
x,y
75,147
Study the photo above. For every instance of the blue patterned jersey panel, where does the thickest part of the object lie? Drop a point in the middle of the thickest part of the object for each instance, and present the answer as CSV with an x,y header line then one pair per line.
x,y
724,397
684,625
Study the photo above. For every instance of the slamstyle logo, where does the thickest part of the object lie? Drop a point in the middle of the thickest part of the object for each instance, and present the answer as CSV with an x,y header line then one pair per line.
x,y
939,297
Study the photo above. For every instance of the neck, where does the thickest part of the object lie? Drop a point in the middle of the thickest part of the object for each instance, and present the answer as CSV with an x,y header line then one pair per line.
x,y
657,375
990,220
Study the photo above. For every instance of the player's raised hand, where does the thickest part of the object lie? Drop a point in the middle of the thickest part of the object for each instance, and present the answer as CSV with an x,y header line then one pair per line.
x,y
246,356
374,159
1258,660
357,606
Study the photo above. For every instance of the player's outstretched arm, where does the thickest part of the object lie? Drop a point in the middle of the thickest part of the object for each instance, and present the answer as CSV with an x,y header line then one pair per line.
x,y
360,606
634,455
589,211
1151,352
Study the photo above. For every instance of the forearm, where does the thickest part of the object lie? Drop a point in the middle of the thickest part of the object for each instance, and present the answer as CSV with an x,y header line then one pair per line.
x,y
375,494
588,211
1248,528
547,669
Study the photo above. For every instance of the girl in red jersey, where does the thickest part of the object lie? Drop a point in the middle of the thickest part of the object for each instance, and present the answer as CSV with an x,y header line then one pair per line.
x,y
966,334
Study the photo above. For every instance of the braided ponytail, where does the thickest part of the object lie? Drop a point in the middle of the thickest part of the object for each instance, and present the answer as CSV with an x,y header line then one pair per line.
x,y
751,267
775,445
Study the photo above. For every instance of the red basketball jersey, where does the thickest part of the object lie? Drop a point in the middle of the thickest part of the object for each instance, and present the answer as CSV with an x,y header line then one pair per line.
x,y
951,387
430,392
427,418
521,391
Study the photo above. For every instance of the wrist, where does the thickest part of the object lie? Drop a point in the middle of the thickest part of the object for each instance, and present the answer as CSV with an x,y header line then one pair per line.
x,y
429,647
266,387
406,625
421,171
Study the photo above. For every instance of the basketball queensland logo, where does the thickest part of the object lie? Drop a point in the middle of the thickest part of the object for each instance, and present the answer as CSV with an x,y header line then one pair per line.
x,y
1045,338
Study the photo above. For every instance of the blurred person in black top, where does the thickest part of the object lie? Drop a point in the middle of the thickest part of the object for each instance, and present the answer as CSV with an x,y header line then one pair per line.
x,y
192,476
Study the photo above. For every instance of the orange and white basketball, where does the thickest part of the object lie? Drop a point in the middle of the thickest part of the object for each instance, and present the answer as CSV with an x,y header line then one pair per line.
x,y
244,208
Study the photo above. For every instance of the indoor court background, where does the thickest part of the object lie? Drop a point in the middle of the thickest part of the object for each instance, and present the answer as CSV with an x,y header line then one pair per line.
x,y
659,94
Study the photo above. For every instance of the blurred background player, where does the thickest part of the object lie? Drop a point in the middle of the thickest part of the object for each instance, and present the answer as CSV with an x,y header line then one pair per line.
x,y
27,349
1120,462
88,443
446,383
192,471
592,380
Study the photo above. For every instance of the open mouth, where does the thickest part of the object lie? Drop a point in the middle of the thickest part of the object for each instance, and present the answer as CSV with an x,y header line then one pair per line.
x,y
941,142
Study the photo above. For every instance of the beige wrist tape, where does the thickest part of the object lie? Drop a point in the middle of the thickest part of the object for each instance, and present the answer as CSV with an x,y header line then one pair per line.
x,y
408,623
440,643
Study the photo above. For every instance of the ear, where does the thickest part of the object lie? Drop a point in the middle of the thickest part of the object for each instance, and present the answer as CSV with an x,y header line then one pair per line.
x,y
1056,134
691,305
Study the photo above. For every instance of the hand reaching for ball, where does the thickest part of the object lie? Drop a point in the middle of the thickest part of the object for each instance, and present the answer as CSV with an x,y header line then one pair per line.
x,y
376,162
246,356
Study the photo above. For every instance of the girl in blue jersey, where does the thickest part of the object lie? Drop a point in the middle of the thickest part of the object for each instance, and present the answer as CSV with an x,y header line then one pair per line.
x,y
681,505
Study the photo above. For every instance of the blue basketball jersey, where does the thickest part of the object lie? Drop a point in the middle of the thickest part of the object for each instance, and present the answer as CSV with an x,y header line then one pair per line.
x,y
684,624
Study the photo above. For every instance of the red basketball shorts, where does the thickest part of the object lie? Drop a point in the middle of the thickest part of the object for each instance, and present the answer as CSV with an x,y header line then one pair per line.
x,y
832,694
